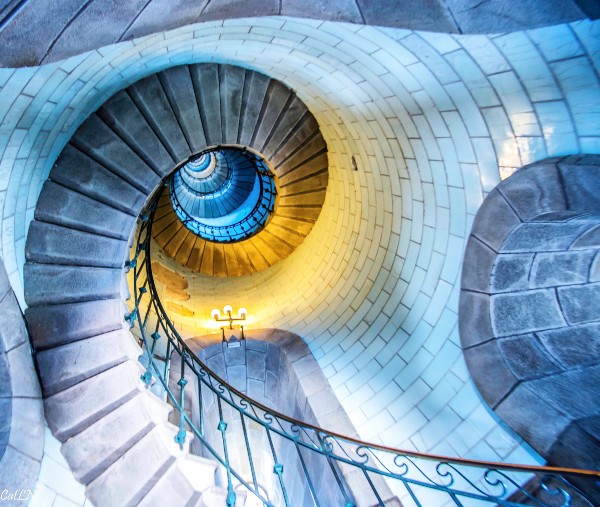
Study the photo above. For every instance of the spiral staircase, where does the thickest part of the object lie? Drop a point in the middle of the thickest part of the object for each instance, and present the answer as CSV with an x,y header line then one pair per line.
x,y
115,433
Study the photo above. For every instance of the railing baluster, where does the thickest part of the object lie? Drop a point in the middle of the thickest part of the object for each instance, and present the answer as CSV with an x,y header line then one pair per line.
x,y
277,467
222,427
180,437
307,475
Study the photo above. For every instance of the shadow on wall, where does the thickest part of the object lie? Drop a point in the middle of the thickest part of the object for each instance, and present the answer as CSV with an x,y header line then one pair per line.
x,y
528,316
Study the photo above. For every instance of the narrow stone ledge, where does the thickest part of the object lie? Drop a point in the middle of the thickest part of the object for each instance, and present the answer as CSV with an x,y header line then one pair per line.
x,y
474,318
531,237
477,266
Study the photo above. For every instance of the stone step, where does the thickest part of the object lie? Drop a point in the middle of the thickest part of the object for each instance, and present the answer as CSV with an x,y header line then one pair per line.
x,y
54,325
177,84
71,411
205,79
97,447
64,366
276,103
184,483
122,115
63,206
129,479
291,118
306,130
55,244
150,98
77,171
95,138
57,283
231,89
255,91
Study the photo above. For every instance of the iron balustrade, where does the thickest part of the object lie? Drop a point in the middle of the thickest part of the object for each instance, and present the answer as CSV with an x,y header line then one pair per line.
x,y
242,228
331,469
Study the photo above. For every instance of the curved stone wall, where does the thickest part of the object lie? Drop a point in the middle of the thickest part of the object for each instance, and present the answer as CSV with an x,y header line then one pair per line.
x,y
433,122
27,39
528,310
21,409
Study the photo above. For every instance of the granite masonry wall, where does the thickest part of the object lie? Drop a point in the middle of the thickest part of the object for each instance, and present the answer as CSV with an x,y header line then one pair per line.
x,y
529,319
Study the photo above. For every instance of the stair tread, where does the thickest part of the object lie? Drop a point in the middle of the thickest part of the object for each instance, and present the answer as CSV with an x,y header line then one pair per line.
x,y
151,100
55,244
71,411
58,324
122,115
177,83
205,78
98,446
64,366
63,206
57,283
76,170
99,141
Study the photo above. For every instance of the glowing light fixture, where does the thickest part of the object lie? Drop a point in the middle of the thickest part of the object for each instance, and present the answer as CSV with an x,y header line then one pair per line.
x,y
233,341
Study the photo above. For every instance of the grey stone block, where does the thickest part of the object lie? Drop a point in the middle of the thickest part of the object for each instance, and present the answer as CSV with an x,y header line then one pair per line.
x,y
482,360
5,423
564,268
255,90
589,239
574,345
122,115
276,100
217,364
582,184
63,206
101,143
429,15
23,378
177,84
477,266
54,244
67,365
494,210
235,355
71,411
534,418
55,284
535,237
573,392
55,325
511,272
256,363
525,357
12,331
27,426
523,312
580,304
534,190
273,361
232,82
474,322
236,375
5,384
4,281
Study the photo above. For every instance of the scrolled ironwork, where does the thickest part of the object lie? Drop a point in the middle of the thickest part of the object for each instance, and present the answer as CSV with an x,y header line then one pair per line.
x,y
332,469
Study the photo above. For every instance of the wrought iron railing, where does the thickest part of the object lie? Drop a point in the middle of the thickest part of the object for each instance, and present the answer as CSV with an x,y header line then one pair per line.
x,y
279,460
